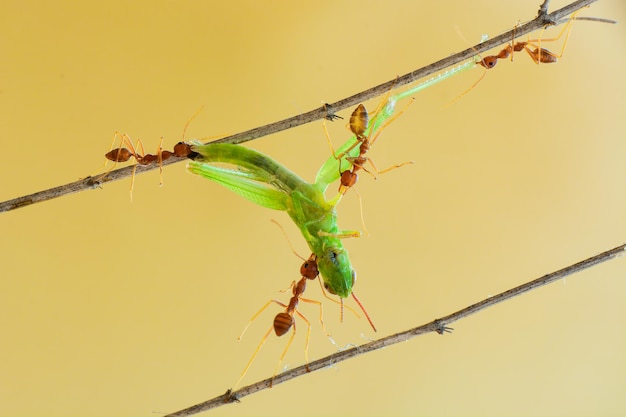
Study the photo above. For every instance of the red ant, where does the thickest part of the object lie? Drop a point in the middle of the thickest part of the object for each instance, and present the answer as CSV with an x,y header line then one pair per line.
x,y
126,150
285,320
358,125
538,55
122,154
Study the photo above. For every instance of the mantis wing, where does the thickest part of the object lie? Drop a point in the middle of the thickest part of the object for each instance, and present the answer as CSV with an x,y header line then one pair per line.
x,y
245,183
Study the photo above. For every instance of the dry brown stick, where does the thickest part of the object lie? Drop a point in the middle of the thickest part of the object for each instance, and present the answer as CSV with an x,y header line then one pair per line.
x,y
438,325
313,115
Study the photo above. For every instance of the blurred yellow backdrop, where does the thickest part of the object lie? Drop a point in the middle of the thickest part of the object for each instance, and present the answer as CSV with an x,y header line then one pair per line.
x,y
113,308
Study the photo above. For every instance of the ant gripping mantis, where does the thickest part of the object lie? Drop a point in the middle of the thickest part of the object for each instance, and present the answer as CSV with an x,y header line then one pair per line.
x,y
285,320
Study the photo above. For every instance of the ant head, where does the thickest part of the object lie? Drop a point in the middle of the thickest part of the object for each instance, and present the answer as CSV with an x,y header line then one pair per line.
x,y
309,269
488,61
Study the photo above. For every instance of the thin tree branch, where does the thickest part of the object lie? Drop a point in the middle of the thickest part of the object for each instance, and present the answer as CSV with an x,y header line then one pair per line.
x,y
591,19
540,21
438,325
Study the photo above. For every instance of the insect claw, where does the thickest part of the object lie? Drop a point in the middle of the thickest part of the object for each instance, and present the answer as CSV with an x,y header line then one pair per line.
x,y
330,113
441,328
230,397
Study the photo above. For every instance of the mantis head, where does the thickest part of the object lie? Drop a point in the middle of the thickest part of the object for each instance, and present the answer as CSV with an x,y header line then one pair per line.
x,y
339,277
337,271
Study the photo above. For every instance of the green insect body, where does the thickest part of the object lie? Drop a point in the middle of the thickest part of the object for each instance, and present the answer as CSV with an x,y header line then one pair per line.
x,y
265,182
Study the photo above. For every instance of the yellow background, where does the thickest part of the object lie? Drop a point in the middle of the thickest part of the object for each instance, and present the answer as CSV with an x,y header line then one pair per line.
x,y
113,308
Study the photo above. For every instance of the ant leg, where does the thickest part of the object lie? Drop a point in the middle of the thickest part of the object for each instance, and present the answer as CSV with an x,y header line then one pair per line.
x,y
160,161
258,348
367,233
487,63
391,168
263,340
319,303
538,54
257,315
330,143
290,287
132,182
511,48
293,335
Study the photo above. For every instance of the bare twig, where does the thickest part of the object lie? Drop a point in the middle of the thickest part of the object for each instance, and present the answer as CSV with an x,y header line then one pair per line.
x,y
439,326
590,19
313,115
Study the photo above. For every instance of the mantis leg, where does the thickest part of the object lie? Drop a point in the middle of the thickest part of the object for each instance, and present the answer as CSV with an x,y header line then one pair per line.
x,y
342,234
